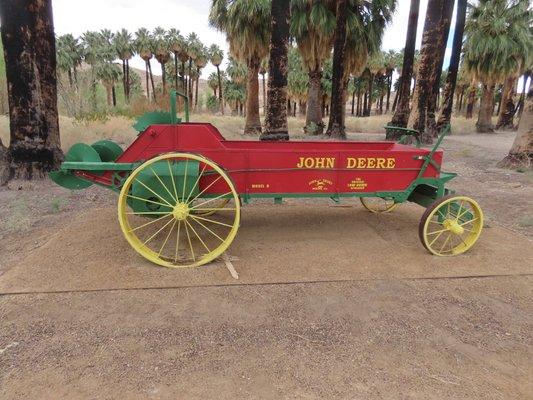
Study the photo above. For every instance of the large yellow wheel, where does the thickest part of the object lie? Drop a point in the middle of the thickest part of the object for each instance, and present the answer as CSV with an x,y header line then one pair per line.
x,y
170,227
451,225
378,205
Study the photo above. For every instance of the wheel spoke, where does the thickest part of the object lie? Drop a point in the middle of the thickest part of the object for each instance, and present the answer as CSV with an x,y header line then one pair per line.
x,y
154,193
445,242
149,223
209,230
147,200
189,240
210,200
166,239
147,213
198,236
215,209
177,242
162,184
155,234
210,220
459,211
203,191
196,183
172,179
436,237
467,222
439,231
185,178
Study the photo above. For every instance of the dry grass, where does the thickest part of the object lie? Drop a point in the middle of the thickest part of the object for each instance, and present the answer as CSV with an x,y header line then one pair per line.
x,y
119,128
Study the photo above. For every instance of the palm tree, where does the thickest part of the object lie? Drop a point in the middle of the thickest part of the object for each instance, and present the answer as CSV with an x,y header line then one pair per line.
x,y
212,82
313,27
498,41
161,51
69,56
216,55
276,125
247,27
92,43
109,74
176,45
297,80
390,66
143,46
200,62
124,47
434,39
194,47
29,45
234,90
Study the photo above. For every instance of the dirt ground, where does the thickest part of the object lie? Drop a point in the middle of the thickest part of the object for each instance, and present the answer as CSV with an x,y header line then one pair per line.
x,y
337,304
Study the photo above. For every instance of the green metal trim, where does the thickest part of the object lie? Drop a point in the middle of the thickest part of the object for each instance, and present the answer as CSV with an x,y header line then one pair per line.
x,y
96,166
429,157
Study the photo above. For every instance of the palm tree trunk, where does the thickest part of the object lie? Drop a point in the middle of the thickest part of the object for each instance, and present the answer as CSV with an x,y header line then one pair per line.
x,y
128,81
336,127
27,32
484,121
451,78
147,77
353,102
520,105
434,38
114,96
471,100
252,125
389,88
176,80
506,114
370,90
196,88
189,87
152,79
276,126
521,153
302,107
220,101
313,118
183,80
124,86
401,115
264,95
164,78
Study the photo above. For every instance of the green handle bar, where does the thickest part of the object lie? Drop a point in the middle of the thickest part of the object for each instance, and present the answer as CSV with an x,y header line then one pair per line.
x,y
173,105
428,159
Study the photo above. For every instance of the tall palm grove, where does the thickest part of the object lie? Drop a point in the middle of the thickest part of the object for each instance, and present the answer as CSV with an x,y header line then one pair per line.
x,y
321,61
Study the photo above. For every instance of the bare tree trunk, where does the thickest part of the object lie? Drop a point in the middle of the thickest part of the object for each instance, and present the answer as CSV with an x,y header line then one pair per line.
x,y
27,30
276,126
484,121
353,101
252,124
370,90
128,82
314,103
451,78
302,108
113,96
401,115
506,114
471,100
336,127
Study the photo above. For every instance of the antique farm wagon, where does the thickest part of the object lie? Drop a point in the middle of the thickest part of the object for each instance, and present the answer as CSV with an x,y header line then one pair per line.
x,y
181,185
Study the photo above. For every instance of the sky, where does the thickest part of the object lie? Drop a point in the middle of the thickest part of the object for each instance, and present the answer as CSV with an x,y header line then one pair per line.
x,y
78,16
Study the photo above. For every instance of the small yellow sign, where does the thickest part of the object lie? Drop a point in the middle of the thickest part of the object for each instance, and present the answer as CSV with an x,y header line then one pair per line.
x,y
357,184
320,185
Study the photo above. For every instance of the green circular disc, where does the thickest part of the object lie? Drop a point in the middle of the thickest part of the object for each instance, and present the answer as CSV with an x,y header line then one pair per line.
x,y
107,150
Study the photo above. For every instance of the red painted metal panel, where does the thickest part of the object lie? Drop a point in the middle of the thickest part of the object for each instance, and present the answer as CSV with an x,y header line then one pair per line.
x,y
289,167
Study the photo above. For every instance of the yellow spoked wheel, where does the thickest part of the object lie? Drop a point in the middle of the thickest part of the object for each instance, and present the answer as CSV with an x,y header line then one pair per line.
x,y
378,205
163,210
451,225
